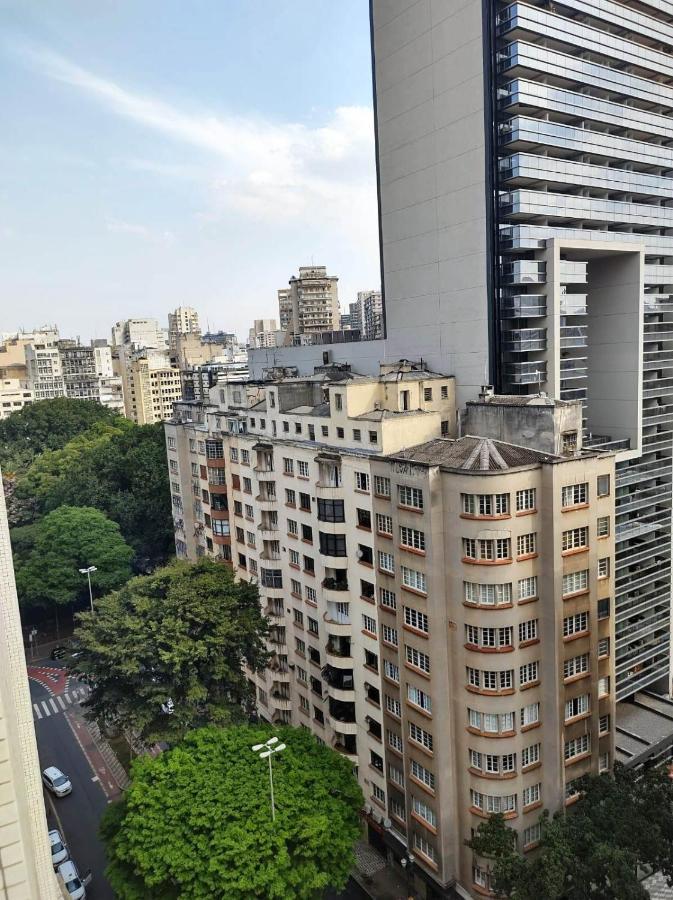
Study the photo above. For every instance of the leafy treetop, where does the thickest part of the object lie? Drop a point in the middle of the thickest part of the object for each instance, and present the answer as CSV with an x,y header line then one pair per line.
x,y
196,821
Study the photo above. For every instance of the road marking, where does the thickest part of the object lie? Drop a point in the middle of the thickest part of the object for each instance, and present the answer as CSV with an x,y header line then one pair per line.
x,y
46,709
37,710
68,698
53,703
60,702
95,778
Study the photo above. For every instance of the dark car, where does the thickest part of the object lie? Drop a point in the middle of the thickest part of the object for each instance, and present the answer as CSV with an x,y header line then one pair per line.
x,y
66,651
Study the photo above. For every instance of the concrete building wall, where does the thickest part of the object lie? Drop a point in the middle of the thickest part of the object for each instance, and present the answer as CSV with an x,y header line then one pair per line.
x,y
26,872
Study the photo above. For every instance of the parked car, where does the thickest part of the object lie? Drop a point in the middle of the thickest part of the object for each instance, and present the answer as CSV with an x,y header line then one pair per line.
x,y
66,651
55,781
59,851
74,885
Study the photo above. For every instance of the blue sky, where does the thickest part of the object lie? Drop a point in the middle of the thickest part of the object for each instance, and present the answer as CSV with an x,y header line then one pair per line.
x,y
159,153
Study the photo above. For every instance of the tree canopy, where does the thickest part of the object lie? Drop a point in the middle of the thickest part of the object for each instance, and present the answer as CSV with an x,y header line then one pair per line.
x,y
183,633
46,425
51,552
621,822
195,823
119,468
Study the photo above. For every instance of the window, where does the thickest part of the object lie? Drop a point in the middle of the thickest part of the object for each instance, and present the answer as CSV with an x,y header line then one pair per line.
x,y
525,500
364,519
532,794
603,486
174,465
527,588
424,846
577,746
288,466
368,624
576,665
444,392
220,527
420,736
302,675
412,538
410,496
332,544
604,567
420,773
378,793
386,562
575,539
245,457
387,598
604,762
526,544
603,686
530,756
416,619
338,401
312,625
394,741
290,497
325,430
413,579
382,486
427,394
491,681
304,502
396,776
302,468
294,558
529,673
331,511
604,725
528,631
569,442
577,706
394,706
481,877
389,635
293,527
298,614
391,671
490,723
362,481
373,437
357,435
574,495
419,698
487,594
365,555
311,596
417,658
603,526
572,788
233,454
249,511
295,589
603,648
286,427
384,524
577,624
530,715
366,589
575,582
309,565
300,646
251,539
297,427
493,804
603,608
195,469
488,637
487,550
423,811
532,835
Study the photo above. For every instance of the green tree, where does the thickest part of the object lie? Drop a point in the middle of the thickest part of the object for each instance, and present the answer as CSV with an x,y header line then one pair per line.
x,y
183,633
621,822
196,825
119,468
46,425
67,539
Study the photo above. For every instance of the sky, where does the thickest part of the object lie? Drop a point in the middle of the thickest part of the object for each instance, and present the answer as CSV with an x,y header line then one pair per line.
x,y
157,153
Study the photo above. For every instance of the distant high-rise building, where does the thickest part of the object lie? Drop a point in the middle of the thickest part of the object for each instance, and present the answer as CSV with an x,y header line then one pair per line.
x,y
139,333
371,325
311,305
265,333
45,372
26,871
14,395
184,320
151,386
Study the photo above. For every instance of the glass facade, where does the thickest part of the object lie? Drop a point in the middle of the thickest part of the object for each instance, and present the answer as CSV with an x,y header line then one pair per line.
x,y
582,116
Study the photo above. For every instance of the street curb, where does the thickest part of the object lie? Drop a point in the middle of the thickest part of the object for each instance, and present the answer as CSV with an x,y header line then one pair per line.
x,y
115,767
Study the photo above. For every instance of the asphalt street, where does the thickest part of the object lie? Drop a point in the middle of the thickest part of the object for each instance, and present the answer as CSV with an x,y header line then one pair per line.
x,y
77,815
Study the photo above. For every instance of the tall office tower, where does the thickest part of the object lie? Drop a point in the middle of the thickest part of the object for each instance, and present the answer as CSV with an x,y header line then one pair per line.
x,y
184,320
45,373
138,333
26,871
527,235
311,305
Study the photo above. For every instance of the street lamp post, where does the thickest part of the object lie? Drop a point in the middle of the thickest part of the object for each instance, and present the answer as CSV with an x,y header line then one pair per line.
x,y
266,751
88,572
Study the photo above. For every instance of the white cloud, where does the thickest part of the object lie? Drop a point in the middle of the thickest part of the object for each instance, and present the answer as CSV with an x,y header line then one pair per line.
x,y
271,172
118,226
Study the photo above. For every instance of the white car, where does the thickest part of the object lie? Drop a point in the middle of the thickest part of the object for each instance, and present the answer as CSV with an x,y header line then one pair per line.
x,y
56,782
59,851
73,883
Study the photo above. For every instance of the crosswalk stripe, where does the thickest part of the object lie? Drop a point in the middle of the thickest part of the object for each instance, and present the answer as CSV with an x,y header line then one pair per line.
x,y
60,702
68,698
37,710
46,709
53,703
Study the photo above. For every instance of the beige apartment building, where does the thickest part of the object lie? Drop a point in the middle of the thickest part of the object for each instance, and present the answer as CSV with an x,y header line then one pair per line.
x,y
440,605
14,395
26,872
151,387
310,305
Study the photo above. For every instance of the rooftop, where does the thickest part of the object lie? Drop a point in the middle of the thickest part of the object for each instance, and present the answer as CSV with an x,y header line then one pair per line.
x,y
520,400
643,722
473,454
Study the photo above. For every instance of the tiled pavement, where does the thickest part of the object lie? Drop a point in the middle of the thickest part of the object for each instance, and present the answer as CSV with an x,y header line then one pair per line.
x,y
659,890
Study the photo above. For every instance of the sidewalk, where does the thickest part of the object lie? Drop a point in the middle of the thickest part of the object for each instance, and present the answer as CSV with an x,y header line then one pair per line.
x,y
379,880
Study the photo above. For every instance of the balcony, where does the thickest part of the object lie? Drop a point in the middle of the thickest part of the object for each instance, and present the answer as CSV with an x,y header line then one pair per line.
x,y
573,336
345,744
524,306
277,636
275,610
338,653
334,585
337,619
524,271
525,340
280,698
340,684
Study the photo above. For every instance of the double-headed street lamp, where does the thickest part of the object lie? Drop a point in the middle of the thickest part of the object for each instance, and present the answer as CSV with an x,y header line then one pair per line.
x,y
266,751
88,572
